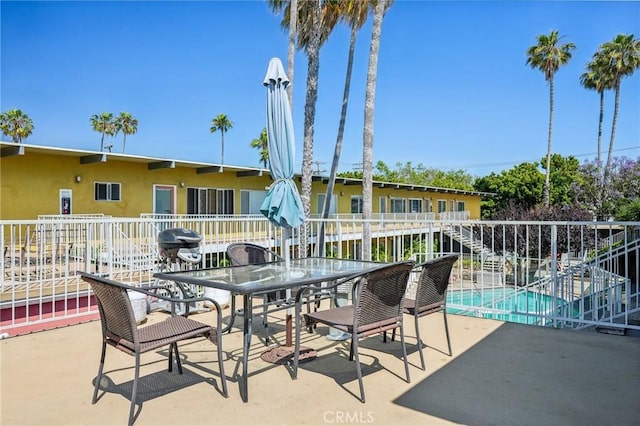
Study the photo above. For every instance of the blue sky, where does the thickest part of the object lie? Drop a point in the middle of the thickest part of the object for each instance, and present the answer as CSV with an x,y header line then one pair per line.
x,y
453,89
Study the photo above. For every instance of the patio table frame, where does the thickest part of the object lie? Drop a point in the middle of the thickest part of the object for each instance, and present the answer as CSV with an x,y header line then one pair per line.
x,y
248,280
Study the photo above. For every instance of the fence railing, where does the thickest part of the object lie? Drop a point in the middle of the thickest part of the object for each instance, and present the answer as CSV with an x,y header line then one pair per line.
x,y
514,271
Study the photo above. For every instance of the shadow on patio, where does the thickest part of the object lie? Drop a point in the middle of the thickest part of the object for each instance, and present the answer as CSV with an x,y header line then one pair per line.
x,y
500,373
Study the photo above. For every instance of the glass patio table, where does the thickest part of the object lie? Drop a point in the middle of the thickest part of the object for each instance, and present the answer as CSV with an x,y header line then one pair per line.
x,y
251,279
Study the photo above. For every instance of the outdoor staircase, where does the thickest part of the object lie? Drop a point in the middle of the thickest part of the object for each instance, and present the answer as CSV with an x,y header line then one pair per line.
x,y
490,260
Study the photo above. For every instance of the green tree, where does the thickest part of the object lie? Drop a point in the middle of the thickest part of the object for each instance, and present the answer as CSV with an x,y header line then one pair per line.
x,y
103,124
223,124
369,108
126,124
548,56
622,56
16,124
261,144
520,186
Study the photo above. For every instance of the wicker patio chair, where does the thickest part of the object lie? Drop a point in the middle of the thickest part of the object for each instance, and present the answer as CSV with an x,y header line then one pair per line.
x,y
240,254
431,295
378,297
119,330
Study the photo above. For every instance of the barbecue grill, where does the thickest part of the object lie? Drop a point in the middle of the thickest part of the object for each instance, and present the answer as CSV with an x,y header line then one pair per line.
x,y
179,245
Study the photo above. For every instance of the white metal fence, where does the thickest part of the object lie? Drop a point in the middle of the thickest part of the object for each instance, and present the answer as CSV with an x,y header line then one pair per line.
x,y
563,274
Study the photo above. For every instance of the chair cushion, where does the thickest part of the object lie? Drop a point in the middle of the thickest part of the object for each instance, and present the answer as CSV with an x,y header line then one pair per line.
x,y
342,319
410,307
160,334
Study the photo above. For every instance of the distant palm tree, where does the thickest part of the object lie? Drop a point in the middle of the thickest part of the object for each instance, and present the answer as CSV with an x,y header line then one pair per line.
x,y
548,56
104,124
16,124
126,124
599,79
596,78
261,144
223,124
622,56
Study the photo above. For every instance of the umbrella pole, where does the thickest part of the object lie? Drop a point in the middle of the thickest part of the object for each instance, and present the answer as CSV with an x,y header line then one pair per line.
x,y
284,354
287,262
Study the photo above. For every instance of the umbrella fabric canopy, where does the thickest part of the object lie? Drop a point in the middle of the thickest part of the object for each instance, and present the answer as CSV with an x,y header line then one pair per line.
x,y
282,204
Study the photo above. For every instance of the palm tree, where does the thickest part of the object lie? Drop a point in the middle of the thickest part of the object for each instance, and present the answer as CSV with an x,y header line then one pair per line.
x,y
104,124
354,13
597,78
622,56
127,124
16,124
369,108
548,56
293,28
261,144
311,33
222,123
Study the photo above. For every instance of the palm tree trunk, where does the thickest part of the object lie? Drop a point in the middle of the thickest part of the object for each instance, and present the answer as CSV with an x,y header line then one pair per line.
x,y
607,167
124,141
222,137
338,148
598,175
309,121
102,142
293,28
367,148
545,194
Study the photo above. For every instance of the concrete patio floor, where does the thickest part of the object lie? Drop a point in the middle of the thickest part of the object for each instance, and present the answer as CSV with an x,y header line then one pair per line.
x,y
500,374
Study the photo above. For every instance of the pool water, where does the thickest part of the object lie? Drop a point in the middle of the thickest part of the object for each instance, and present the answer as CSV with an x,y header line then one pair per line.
x,y
506,304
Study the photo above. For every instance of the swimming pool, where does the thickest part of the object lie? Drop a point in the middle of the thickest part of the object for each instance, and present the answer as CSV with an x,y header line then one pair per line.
x,y
505,304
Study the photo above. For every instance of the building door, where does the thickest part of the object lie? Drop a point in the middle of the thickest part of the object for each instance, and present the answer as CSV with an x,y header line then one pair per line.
x,y
164,199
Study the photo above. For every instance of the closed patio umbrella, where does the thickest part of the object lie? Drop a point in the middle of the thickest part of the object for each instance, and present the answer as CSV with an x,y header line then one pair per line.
x,y
282,205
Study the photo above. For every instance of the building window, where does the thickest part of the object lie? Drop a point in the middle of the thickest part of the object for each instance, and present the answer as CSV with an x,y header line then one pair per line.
x,y
356,204
429,205
415,205
398,205
383,204
251,201
209,201
106,191
442,206
461,206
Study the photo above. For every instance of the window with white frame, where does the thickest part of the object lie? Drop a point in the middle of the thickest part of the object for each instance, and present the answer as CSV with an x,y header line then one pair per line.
x,y
383,203
461,206
429,205
106,191
442,206
251,201
415,205
332,207
398,205
452,205
356,204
